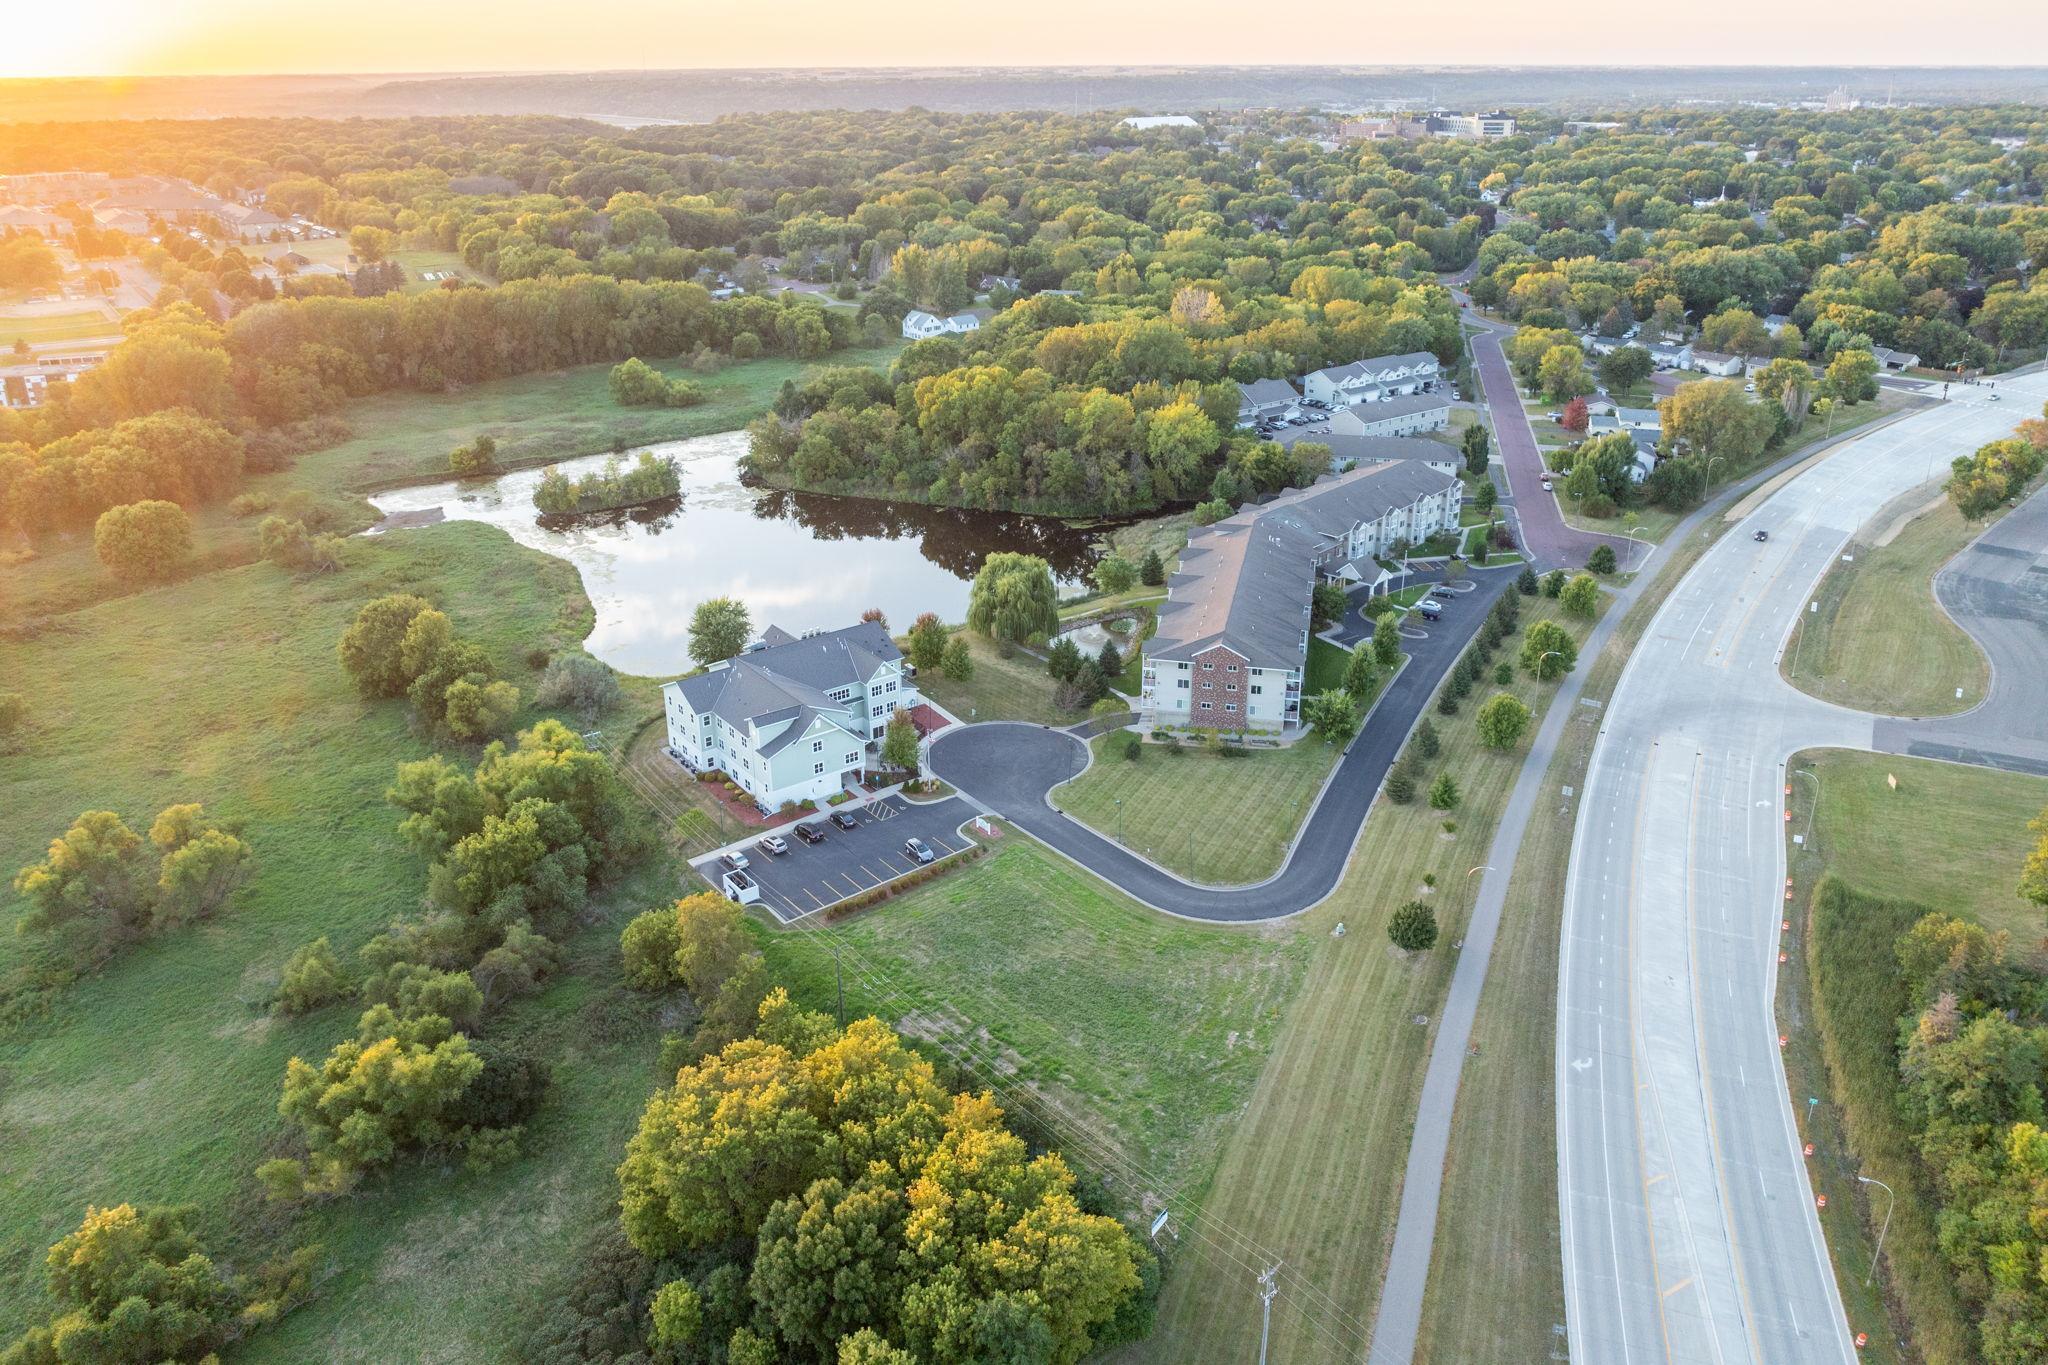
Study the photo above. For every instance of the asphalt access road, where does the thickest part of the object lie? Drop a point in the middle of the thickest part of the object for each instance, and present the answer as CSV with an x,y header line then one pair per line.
x,y
1997,590
1009,767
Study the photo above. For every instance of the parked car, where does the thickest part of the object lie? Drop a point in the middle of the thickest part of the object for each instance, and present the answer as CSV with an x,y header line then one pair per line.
x,y
1430,608
810,833
732,862
1761,535
844,820
1553,417
775,844
917,850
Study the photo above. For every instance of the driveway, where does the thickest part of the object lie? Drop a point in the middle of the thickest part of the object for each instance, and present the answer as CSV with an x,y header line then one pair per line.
x,y
1010,767
1997,590
811,877
1545,538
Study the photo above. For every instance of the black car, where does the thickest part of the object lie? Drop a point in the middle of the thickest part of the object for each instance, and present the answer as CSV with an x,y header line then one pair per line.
x,y
810,834
1761,535
844,820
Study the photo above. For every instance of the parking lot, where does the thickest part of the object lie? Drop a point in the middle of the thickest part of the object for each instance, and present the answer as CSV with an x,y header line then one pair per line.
x,y
811,877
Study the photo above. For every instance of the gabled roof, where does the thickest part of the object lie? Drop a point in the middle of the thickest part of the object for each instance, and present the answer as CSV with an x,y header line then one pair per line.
x,y
791,675
1260,392
1365,371
1355,419
1244,583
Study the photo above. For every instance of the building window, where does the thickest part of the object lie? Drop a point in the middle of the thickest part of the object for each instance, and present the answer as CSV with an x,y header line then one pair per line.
x,y
1184,684
817,770
852,759
880,730
1208,668
1257,690
1230,706
1206,706
1230,668
1230,687
817,746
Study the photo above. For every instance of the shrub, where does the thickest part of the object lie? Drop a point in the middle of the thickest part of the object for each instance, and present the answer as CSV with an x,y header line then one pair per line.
x,y
370,649
1601,560
1413,927
1446,704
1553,582
1581,596
1110,660
1400,786
1152,571
143,542
1548,650
1123,744
957,664
1502,721
1443,793
647,950
478,457
577,682
1503,673
1063,660
312,978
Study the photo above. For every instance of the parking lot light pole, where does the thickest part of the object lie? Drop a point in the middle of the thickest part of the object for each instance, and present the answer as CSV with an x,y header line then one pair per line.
x,y
1119,819
1878,1255
1815,808
1633,541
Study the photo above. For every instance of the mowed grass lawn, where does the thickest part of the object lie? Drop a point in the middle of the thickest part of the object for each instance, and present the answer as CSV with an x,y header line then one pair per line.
x,y
1880,641
1950,837
1108,1021
157,1080
58,327
1312,1173
1210,818
1012,688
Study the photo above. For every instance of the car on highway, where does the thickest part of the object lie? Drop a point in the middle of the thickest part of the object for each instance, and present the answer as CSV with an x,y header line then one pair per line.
x,y
917,850
810,833
844,820
1761,535
773,844
732,862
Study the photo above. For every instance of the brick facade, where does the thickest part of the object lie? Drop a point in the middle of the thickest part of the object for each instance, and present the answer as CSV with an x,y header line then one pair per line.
x,y
1222,688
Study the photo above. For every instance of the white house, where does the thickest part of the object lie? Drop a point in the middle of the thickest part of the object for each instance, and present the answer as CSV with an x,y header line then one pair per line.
x,y
1716,363
919,325
791,719
1889,359
1233,634
1645,427
1668,356
1402,415
1368,381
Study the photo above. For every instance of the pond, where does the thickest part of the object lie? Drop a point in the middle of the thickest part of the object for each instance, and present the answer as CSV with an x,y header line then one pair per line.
x,y
797,560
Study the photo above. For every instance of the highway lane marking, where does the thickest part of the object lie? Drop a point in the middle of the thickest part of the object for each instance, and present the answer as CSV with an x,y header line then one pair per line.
x,y
1692,840
1676,1287
1634,1066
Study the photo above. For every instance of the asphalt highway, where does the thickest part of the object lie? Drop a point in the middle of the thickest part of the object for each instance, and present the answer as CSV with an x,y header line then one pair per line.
x,y
1689,1228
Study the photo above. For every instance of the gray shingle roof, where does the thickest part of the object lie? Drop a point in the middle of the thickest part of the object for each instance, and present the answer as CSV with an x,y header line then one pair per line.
x,y
1372,367
1244,583
1260,392
776,683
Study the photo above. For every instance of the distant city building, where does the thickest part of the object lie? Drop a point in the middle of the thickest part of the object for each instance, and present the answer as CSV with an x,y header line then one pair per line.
x,y
1161,121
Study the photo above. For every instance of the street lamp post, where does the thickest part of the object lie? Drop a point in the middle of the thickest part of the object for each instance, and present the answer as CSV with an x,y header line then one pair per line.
x,y
1539,667
1878,1255
1633,541
1119,819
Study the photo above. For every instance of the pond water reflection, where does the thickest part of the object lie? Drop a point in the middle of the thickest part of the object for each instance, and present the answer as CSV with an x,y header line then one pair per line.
x,y
798,560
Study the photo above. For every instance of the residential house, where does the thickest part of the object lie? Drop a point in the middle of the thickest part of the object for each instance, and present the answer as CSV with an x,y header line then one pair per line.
x,y
1401,415
792,719
1671,356
919,325
1369,381
1351,448
1775,323
1265,400
15,218
1716,363
1232,642
1645,427
1889,359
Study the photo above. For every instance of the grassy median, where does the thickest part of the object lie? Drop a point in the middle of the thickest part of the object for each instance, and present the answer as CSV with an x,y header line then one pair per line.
x,y
1880,641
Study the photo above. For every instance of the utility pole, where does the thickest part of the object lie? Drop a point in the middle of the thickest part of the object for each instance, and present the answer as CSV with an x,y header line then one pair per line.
x,y
1268,1287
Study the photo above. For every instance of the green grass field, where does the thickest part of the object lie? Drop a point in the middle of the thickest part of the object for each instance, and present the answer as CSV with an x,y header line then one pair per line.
x,y
440,263
400,437
157,1080
58,327
1209,818
1880,642
1312,1173
1016,688
1112,1023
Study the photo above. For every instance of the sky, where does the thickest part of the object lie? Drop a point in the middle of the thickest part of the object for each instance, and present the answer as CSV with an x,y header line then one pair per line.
x,y
244,37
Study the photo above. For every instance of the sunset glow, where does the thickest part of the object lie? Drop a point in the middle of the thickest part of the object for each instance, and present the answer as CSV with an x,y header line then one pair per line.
x,y
146,37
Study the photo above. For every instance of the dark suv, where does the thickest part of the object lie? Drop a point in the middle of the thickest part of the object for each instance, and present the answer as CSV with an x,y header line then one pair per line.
x,y
810,833
844,820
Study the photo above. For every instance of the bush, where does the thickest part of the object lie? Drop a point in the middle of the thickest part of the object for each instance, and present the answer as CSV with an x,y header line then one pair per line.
x,y
1443,793
1502,721
577,682
1063,660
1553,582
1413,927
1400,786
1503,673
647,950
1601,560
1581,596
143,542
312,978
477,458
1446,704
1123,744
958,664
